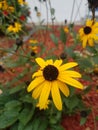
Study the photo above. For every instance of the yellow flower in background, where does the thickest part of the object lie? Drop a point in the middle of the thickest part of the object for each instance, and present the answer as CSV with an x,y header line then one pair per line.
x,y
89,33
17,27
11,9
14,28
66,30
10,28
33,41
33,45
0,5
3,5
53,77
21,2
34,49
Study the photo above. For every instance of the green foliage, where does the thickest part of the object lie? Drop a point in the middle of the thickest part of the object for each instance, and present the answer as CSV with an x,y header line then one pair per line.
x,y
63,36
83,121
12,11
54,38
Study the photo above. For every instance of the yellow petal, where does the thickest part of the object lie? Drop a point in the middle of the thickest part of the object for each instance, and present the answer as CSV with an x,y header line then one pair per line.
x,y
37,91
95,37
84,42
57,63
91,42
36,74
68,66
96,24
56,95
49,61
89,23
81,32
44,94
70,81
71,73
40,62
64,89
35,83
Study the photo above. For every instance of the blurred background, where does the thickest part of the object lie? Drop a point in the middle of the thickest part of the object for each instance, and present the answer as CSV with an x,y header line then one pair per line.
x,y
71,10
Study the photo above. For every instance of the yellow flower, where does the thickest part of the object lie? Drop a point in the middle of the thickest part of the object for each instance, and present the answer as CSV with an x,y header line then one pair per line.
x,y
14,28
17,27
53,77
66,30
11,8
4,5
10,28
34,49
0,5
21,2
33,41
89,33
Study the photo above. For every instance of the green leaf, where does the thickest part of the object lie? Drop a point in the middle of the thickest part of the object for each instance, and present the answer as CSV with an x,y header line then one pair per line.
x,y
12,104
95,59
6,121
29,126
27,98
57,127
44,124
71,102
54,38
21,126
14,126
26,115
83,121
70,52
4,98
36,123
91,49
16,89
62,35
72,91
84,63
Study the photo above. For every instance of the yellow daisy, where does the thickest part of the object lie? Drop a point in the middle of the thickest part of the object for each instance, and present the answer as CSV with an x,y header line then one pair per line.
x,y
89,33
33,41
11,8
14,28
51,78
66,30
21,2
17,27
10,28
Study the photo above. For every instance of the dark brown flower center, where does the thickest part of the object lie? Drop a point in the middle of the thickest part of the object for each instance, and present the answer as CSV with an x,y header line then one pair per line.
x,y
50,73
87,30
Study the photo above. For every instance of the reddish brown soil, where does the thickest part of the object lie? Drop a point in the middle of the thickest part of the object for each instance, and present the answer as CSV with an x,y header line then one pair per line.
x,y
68,122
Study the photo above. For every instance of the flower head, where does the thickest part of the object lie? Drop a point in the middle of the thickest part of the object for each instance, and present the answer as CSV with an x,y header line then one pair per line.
x,y
14,28
33,41
22,2
66,30
88,34
51,78
33,46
